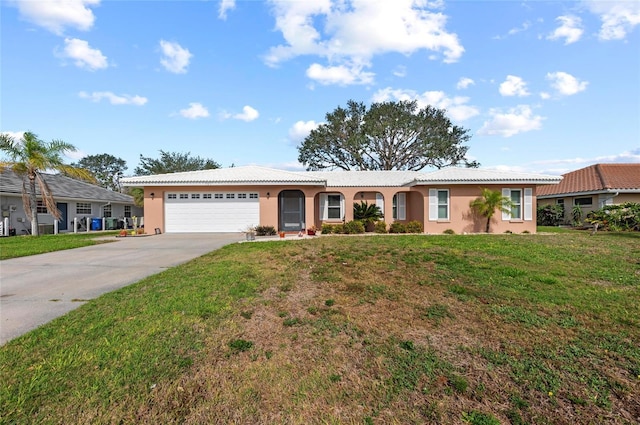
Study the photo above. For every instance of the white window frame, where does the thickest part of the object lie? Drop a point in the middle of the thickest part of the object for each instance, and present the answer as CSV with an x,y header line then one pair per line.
x,y
41,208
435,204
107,211
399,206
127,211
324,206
526,204
83,207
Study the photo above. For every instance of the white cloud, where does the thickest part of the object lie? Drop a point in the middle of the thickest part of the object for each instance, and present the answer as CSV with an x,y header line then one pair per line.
x,y
619,17
83,55
544,95
248,114
517,120
301,129
225,6
514,86
464,82
15,135
525,26
55,15
340,75
176,58
566,84
194,111
562,166
570,29
400,71
348,32
123,99
457,108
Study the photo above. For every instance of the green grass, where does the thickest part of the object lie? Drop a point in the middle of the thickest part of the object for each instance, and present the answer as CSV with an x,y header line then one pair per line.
x,y
22,246
475,329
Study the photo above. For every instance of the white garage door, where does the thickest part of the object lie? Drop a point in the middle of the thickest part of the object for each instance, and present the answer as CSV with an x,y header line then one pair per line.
x,y
200,212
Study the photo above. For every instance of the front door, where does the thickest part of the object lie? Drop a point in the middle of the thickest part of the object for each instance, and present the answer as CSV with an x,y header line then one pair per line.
x,y
62,207
291,210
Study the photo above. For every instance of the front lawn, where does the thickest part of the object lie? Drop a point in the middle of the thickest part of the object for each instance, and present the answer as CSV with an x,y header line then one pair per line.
x,y
474,329
22,246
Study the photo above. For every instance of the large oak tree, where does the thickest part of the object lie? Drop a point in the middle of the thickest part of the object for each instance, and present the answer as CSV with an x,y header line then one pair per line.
x,y
106,168
173,162
387,136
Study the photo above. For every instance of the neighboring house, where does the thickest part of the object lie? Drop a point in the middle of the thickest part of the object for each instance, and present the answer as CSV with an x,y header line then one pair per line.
x,y
74,199
231,199
593,187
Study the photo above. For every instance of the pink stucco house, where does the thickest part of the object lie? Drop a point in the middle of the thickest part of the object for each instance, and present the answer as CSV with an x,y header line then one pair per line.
x,y
231,199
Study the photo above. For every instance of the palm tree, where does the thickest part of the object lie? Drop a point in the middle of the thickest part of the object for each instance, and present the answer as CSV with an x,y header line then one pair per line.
x,y
29,158
368,214
490,201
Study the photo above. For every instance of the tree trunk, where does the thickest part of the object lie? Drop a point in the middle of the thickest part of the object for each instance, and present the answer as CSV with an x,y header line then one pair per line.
x,y
488,224
33,202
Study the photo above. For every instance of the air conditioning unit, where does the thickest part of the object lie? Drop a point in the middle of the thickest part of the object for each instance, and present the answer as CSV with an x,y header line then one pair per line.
x,y
13,208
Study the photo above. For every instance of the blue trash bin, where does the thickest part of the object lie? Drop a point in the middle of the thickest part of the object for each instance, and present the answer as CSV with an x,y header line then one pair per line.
x,y
96,224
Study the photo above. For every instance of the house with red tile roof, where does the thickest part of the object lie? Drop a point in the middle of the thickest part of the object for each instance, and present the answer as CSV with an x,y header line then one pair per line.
x,y
593,187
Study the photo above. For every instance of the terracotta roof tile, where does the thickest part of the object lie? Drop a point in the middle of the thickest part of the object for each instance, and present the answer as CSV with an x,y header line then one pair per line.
x,y
595,178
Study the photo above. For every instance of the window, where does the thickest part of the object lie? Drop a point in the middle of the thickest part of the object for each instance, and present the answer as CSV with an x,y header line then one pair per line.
x,y
560,203
83,208
106,211
127,211
331,206
218,196
438,204
206,196
172,196
522,200
41,208
231,195
195,196
242,196
516,208
253,196
184,196
399,203
583,201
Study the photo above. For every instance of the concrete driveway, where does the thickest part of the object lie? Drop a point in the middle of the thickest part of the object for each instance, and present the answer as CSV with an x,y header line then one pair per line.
x,y
35,290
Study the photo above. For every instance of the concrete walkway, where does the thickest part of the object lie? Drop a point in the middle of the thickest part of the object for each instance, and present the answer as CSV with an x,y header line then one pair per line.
x,y
36,289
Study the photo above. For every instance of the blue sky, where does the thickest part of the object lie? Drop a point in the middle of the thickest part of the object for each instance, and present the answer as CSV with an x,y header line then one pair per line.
x,y
542,86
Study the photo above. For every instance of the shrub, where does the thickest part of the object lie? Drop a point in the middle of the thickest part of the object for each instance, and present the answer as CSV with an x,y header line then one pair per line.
x,y
326,229
397,227
380,227
550,215
616,217
414,226
449,232
338,228
366,213
353,227
265,231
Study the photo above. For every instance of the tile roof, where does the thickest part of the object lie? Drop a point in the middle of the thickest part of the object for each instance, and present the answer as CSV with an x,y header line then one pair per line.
x,y
596,178
63,188
459,175
254,175
250,174
365,178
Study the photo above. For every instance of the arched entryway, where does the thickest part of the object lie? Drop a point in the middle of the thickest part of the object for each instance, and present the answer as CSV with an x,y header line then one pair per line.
x,y
291,211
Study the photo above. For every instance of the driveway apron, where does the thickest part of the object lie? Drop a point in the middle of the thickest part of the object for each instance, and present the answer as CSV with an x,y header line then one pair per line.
x,y
36,289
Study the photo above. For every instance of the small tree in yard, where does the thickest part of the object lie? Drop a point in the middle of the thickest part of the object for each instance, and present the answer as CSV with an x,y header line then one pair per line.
x,y
367,213
489,202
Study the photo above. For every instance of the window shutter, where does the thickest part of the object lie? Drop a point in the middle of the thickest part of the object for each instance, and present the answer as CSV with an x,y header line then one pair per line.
x,y
342,210
323,206
433,204
506,193
528,204
402,206
380,202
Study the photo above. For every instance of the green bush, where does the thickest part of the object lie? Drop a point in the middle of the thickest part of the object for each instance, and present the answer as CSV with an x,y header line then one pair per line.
x,y
380,227
623,217
398,227
327,229
367,213
353,227
449,232
414,226
265,231
550,215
